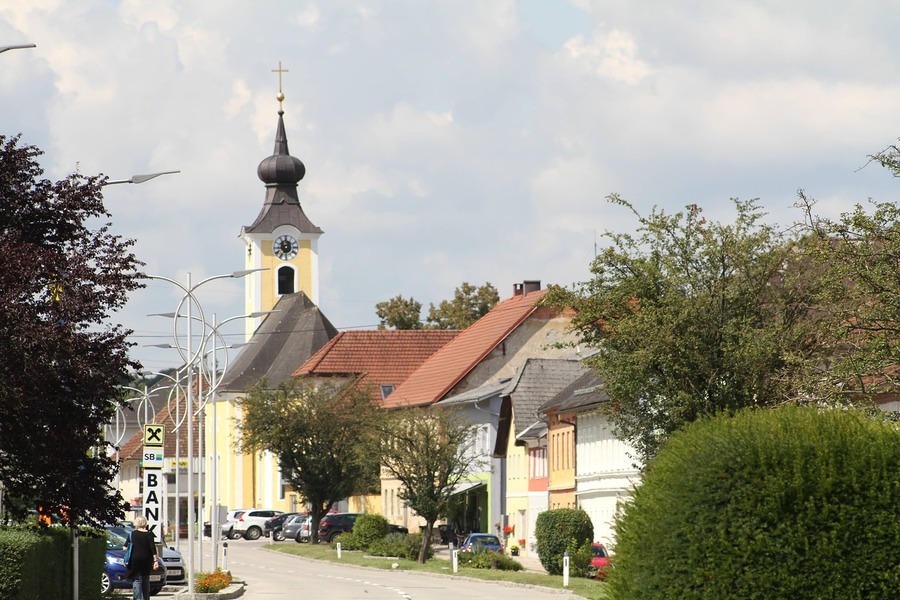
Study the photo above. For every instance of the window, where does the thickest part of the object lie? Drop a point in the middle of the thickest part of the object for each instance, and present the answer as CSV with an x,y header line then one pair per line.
x,y
386,389
285,280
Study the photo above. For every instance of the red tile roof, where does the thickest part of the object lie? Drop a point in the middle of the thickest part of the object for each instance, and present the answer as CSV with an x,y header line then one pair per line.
x,y
437,376
376,357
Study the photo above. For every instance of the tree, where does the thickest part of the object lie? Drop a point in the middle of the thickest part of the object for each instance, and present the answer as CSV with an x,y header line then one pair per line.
x,y
468,305
692,318
324,438
861,249
62,273
399,313
428,450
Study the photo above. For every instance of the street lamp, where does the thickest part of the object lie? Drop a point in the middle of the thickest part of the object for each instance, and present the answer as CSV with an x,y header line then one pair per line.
x,y
16,47
189,355
138,178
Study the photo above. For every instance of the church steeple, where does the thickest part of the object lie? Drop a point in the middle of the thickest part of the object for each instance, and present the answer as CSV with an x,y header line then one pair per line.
x,y
282,239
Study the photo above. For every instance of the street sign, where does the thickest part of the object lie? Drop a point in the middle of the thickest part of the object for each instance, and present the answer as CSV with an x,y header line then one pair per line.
x,y
153,460
153,500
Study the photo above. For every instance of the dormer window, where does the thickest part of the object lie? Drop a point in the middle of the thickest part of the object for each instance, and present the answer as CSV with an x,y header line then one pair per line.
x,y
386,389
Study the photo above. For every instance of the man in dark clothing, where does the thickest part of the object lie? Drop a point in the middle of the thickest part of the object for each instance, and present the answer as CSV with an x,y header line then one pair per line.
x,y
140,550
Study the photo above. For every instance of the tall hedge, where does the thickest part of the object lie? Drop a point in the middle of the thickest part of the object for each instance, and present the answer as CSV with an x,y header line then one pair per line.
x,y
785,503
564,530
369,528
36,564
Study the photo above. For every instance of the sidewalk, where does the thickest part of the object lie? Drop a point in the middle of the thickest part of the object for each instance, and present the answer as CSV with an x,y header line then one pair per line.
x,y
530,562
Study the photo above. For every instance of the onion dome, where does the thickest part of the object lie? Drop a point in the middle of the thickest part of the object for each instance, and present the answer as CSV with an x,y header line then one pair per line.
x,y
281,167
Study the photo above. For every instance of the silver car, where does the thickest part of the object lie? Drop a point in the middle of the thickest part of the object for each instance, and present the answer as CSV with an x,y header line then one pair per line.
x,y
296,528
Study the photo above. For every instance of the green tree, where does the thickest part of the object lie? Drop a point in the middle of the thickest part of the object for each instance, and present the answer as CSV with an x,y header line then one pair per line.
x,y
62,274
467,306
861,249
428,450
691,317
792,502
399,313
324,438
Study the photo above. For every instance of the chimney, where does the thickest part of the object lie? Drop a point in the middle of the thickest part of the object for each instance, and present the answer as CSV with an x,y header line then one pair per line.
x,y
520,289
533,285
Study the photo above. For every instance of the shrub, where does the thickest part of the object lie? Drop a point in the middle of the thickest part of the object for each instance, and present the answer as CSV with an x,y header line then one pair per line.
x,y
558,531
348,541
370,528
785,503
412,543
213,582
488,560
393,544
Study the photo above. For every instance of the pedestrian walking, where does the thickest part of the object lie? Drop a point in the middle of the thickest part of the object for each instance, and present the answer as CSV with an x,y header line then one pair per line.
x,y
140,558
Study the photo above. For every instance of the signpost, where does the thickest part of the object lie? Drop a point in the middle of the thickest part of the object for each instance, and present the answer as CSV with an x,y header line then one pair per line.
x,y
153,459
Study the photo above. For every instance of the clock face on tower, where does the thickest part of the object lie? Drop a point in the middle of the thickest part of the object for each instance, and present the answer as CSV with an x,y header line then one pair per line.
x,y
285,247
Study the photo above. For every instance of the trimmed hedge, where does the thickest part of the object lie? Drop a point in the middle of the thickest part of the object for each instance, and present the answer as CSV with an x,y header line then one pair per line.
x,y
488,560
36,564
370,528
564,530
785,503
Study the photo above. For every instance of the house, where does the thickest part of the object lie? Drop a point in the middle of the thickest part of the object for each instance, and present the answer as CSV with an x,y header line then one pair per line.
x,y
471,371
605,468
522,437
378,361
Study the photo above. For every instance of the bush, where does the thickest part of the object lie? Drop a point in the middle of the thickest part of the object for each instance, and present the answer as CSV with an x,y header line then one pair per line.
x,y
559,531
412,543
213,582
393,544
488,560
786,503
348,541
370,528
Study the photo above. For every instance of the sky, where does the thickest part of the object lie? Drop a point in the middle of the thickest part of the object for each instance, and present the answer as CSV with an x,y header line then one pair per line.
x,y
444,141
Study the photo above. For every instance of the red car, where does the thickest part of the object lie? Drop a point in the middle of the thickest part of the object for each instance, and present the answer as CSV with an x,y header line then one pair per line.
x,y
600,561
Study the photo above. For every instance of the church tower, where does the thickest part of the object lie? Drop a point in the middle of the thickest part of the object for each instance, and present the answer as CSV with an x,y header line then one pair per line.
x,y
282,240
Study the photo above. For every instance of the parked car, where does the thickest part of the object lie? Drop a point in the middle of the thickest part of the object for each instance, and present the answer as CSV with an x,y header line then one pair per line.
x,y
114,570
273,526
250,523
333,525
481,542
600,563
171,558
398,529
228,525
296,527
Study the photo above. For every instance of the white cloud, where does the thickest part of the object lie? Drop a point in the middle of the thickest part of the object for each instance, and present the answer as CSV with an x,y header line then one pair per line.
x,y
613,56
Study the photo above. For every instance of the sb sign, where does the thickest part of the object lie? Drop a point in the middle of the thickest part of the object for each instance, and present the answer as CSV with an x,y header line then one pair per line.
x,y
153,458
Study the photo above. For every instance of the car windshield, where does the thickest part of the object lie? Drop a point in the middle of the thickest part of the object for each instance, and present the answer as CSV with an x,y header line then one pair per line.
x,y
487,540
114,541
600,551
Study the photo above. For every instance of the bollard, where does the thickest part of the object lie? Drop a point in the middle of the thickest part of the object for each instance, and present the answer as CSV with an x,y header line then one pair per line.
x,y
454,559
339,549
566,569
224,556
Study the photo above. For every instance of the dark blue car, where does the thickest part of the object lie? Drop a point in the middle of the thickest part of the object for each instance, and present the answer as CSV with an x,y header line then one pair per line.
x,y
114,571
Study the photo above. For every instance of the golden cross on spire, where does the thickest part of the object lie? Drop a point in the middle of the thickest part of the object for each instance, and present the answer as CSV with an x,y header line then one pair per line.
x,y
280,96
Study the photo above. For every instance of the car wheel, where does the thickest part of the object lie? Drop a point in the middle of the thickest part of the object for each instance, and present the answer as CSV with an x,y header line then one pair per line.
x,y
335,538
104,583
253,533
234,535
278,536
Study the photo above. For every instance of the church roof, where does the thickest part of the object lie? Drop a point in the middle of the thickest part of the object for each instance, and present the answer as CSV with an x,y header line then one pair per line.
x,y
449,365
281,172
283,342
376,357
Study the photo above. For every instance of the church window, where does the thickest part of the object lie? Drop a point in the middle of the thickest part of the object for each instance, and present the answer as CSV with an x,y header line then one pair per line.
x,y
285,281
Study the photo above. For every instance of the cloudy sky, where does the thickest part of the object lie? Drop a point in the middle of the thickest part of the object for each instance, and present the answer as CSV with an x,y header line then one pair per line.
x,y
445,141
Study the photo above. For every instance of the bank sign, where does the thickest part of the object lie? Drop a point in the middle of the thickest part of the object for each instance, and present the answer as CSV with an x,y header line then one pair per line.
x,y
153,459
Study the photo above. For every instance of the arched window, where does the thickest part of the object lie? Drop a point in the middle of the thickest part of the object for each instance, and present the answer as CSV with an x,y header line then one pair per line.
x,y
285,280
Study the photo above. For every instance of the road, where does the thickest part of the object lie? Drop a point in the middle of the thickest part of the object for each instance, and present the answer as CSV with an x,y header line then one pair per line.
x,y
276,576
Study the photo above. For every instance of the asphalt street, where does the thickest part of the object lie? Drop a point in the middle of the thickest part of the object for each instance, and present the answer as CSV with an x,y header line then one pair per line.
x,y
272,575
